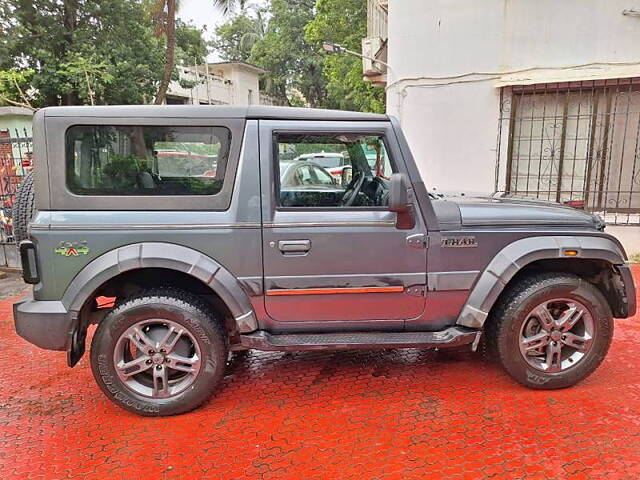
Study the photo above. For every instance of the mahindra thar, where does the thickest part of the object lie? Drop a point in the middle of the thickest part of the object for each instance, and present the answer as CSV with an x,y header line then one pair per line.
x,y
188,232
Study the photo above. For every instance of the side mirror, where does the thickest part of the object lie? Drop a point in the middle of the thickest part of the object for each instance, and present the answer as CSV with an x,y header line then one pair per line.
x,y
399,201
398,193
346,175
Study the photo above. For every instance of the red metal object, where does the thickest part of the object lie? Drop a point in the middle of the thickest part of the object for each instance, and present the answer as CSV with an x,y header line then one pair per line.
x,y
579,204
326,415
336,171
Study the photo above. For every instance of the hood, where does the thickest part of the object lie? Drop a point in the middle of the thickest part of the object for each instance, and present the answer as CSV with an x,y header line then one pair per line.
x,y
512,212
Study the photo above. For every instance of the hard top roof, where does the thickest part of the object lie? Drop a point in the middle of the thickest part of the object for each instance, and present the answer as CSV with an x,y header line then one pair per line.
x,y
210,111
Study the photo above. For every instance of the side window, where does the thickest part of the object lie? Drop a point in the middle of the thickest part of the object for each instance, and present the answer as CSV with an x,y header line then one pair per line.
x,y
333,170
146,160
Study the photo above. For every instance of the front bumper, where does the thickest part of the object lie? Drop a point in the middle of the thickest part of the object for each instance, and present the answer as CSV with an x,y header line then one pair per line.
x,y
629,289
46,324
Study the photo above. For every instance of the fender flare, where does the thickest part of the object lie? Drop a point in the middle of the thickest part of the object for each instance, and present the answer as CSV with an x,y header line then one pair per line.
x,y
520,253
162,255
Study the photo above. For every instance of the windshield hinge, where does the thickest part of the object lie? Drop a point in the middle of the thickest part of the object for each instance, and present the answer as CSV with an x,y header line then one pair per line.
x,y
418,240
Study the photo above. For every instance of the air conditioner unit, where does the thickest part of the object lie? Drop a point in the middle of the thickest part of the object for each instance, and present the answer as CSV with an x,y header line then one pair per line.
x,y
371,49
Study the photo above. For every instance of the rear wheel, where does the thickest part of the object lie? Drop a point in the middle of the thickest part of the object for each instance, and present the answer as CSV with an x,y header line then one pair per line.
x,y
160,353
551,330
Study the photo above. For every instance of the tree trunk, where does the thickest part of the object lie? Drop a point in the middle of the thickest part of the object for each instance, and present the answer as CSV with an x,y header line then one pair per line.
x,y
70,20
169,58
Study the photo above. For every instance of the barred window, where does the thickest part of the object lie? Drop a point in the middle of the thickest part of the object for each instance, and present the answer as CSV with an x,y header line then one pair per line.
x,y
576,143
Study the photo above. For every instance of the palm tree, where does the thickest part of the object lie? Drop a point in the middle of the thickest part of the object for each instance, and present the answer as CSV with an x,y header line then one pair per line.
x,y
164,17
227,6
259,30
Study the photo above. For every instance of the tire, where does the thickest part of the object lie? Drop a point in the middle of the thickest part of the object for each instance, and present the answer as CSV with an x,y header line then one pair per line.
x,y
147,392
23,207
515,326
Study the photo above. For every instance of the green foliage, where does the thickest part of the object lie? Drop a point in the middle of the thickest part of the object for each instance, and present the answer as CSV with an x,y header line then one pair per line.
x,y
227,6
190,45
289,48
86,77
58,44
235,39
292,63
14,87
122,170
344,22
80,51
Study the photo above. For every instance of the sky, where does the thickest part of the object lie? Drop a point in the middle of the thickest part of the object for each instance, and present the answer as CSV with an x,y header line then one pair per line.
x,y
203,14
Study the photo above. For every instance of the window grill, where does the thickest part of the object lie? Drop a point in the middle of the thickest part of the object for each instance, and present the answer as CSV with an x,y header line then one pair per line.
x,y
575,143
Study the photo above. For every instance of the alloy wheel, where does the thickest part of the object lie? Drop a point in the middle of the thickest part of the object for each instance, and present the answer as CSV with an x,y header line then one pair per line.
x,y
556,335
157,358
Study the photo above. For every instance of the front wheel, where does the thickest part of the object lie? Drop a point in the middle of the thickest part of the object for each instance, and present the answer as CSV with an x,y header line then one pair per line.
x,y
551,330
160,353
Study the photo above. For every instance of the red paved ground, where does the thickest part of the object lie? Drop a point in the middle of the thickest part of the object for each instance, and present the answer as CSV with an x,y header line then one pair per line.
x,y
393,414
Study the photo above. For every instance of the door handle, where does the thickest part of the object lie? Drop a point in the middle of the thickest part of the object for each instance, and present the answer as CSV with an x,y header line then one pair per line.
x,y
294,247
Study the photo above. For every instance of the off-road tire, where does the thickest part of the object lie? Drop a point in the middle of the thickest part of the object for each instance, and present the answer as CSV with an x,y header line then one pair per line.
x,y
503,328
165,303
23,207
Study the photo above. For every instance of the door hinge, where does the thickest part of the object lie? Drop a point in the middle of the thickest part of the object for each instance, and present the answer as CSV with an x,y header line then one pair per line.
x,y
417,290
418,240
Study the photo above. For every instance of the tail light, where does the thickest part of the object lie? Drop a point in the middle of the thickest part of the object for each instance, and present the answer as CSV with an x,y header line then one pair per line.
x,y
29,262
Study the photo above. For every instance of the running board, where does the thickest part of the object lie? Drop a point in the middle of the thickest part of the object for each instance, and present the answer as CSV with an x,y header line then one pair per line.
x,y
451,337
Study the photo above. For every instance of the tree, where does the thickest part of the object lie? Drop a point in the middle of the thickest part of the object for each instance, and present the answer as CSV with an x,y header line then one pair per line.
x,y
73,51
85,76
190,45
344,22
292,64
164,16
228,6
235,39
14,86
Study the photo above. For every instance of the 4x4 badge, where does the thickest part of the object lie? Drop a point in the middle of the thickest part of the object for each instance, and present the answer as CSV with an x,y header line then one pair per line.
x,y
72,249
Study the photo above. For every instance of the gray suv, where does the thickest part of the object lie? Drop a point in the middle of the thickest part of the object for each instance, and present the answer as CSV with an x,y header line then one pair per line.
x,y
169,228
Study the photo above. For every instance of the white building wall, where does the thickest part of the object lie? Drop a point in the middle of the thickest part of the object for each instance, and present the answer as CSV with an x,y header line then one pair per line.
x,y
213,89
245,81
226,84
446,57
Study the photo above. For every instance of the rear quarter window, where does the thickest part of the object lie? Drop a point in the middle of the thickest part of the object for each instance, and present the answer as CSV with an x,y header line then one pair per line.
x,y
137,160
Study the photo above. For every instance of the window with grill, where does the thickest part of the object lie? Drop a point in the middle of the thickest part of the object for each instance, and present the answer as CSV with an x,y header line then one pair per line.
x,y
576,143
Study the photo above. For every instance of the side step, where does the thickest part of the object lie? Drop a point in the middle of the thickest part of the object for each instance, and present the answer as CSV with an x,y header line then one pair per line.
x,y
451,337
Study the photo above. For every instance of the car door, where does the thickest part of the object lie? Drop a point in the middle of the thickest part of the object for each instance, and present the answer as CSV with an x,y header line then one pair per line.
x,y
326,263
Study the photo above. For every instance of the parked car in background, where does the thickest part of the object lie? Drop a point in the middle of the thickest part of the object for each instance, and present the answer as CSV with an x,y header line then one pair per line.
x,y
335,163
305,179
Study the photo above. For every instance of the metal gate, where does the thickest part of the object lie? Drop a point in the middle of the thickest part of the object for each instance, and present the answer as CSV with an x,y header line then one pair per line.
x,y
15,161
576,143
